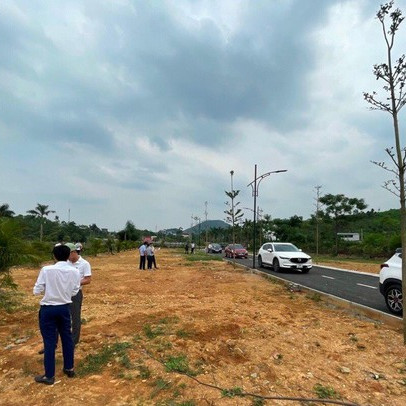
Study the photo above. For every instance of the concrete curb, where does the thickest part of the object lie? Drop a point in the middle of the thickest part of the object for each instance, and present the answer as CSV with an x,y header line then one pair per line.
x,y
355,308
346,270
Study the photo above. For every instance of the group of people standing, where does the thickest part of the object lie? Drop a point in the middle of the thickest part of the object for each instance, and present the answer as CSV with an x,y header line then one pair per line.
x,y
61,304
147,255
192,248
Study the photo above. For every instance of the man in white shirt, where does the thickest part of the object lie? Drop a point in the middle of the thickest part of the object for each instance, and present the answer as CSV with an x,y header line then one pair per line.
x,y
58,283
143,254
85,272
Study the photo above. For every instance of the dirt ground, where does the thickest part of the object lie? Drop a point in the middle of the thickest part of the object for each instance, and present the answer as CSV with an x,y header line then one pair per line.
x,y
231,331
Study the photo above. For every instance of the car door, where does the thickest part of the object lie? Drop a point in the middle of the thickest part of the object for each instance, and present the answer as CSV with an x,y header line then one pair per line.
x,y
266,255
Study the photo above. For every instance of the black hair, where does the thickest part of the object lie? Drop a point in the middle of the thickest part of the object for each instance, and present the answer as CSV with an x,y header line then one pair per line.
x,y
61,252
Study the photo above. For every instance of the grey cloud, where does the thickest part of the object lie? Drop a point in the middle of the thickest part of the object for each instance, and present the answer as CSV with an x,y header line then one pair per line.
x,y
197,75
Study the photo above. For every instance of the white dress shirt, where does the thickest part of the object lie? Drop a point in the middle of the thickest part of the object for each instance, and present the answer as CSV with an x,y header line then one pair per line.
x,y
58,282
83,267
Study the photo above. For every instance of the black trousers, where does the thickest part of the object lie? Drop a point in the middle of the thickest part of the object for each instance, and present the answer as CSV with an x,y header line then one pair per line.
x,y
54,320
76,310
142,262
149,261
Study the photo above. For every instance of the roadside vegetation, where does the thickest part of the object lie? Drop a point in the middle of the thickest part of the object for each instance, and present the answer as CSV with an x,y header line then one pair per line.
x,y
29,239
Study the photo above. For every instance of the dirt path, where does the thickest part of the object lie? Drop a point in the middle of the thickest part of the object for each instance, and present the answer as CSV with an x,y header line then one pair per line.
x,y
226,327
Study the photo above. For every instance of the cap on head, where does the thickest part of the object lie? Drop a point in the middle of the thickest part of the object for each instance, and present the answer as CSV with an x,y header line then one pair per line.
x,y
71,246
78,246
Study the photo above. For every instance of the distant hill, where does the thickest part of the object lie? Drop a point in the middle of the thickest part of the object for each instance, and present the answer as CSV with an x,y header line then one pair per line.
x,y
207,225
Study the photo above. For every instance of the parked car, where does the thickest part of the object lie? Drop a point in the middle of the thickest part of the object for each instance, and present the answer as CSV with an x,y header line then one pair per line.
x,y
390,282
236,250
214,248
281,255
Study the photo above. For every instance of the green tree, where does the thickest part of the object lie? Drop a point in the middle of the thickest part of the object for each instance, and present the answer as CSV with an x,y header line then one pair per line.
x,y
339,206
129,233
41,211
394,77
13,251
96,246
5,211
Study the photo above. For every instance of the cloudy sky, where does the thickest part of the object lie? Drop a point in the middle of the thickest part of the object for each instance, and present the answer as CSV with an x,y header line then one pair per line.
x,y
116,110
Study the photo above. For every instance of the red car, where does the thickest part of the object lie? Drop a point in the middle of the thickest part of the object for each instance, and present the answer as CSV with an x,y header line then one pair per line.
x,y
236,250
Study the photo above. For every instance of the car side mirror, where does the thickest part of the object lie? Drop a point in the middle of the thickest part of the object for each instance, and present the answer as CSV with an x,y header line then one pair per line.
x,y
300,249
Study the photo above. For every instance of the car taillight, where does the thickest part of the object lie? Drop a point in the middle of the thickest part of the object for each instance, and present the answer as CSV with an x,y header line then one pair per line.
x,y
384,266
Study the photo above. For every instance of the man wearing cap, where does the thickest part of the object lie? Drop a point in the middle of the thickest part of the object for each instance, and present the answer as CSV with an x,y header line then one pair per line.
x,y
58,283
85,272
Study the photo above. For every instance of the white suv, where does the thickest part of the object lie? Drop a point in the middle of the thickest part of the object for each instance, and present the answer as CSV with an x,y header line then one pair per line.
x,y
284,255
390,283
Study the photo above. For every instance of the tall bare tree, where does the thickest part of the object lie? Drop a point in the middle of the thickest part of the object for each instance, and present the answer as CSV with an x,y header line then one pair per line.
x,y
393,74
41,211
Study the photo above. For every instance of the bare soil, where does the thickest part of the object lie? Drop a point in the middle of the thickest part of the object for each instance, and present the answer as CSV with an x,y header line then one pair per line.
x,y
227,327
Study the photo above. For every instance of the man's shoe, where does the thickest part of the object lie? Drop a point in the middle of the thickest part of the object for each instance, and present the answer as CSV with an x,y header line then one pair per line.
x,y
44,379
70,373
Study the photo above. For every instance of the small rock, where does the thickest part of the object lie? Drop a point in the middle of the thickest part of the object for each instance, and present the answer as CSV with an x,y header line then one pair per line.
x,y
21,340
254,375
345,370
293,287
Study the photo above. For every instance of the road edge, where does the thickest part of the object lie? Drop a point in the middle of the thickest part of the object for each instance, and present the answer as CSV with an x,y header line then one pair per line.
x,y
355,308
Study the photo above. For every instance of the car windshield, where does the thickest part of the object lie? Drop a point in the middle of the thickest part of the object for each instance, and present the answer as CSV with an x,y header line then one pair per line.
x,y
216,246
285,248
237,247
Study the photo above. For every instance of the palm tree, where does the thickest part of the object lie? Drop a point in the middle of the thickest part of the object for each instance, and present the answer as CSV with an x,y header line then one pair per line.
x,y
5,211
41,211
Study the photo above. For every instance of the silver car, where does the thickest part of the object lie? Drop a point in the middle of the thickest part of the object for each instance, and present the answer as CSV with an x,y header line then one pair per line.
x,y
284,255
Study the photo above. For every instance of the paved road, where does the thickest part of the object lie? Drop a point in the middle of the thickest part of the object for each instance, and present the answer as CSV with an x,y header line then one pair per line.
x,y
355,287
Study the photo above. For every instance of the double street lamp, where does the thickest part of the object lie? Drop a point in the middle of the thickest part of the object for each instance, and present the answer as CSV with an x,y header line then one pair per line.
x,y
255,185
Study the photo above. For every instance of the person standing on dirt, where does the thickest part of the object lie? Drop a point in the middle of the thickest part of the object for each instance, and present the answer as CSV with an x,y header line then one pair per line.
x,y
143,254
58,283
192,248
151,256
85,272
187,248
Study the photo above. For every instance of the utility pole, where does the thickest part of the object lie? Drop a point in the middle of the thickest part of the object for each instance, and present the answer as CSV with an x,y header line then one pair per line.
x,y
206,213
198,220
232,214
318,205
259,218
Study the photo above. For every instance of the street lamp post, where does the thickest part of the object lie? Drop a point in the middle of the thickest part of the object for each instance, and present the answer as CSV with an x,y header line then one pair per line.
x,y
254,186
259,217
232,211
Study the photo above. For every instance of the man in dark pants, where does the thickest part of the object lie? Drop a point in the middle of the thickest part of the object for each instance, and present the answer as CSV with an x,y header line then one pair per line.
x,y
58,283
85,272
143,254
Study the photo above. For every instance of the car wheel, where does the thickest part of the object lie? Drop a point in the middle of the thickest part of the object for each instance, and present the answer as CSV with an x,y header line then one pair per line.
x,y
394,299
275,265
260,261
